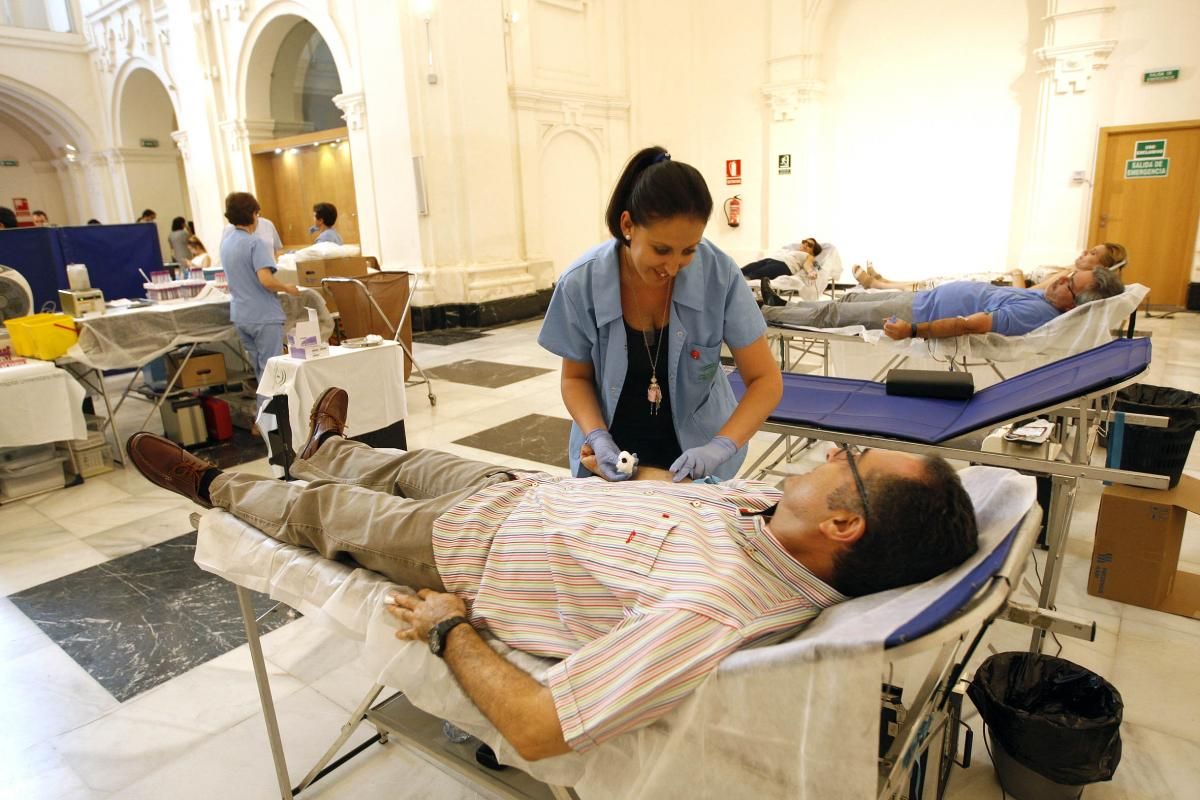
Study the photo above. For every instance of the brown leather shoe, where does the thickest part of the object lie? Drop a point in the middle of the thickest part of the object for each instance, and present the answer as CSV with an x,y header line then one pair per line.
x,y
328,416
168,465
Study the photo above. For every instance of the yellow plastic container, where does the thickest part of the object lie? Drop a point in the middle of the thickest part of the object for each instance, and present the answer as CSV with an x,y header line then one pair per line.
x,y
44,336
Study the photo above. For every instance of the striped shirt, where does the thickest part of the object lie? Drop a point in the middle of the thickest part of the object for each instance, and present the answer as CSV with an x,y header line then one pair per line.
x,y
640,588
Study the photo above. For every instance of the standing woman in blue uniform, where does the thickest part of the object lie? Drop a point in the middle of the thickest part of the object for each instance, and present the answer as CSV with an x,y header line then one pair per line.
x,y
639,322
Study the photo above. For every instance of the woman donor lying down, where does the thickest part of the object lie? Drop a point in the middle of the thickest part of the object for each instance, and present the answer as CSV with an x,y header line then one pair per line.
x,y
615,579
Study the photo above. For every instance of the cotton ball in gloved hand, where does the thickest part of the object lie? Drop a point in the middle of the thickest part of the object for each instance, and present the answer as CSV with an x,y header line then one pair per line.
x,y
626,462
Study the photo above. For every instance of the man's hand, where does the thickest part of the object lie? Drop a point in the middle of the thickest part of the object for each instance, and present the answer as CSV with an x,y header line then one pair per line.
x,y
422,611
897,328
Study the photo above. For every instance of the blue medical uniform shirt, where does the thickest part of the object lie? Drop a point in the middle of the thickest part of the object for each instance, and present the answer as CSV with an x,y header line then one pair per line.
x,y
330,235
242,255
1014,311
710,304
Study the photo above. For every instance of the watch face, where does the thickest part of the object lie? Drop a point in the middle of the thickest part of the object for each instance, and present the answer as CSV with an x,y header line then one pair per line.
x,y
435,640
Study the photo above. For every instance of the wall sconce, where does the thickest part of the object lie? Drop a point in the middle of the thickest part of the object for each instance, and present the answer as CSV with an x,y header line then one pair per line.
x,y
424,10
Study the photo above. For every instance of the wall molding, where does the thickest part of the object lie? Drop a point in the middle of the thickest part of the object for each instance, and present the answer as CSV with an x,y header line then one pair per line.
x,y
786,98
1072,65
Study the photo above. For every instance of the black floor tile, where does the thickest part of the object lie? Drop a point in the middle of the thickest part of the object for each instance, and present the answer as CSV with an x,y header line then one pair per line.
x,y
144,618
443,338
536,437
242,448
490,374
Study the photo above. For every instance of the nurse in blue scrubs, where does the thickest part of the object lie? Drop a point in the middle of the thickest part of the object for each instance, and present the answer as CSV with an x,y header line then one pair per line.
x,y
639,322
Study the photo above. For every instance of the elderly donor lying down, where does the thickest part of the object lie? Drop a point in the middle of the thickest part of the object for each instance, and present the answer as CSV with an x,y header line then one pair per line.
x,y
639,588
952,309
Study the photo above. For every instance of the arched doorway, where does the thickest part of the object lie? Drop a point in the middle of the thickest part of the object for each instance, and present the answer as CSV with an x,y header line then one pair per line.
x,y
153,164
292,80
47,140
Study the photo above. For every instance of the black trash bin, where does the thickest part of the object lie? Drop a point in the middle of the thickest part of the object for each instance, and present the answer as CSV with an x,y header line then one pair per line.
x,y
1054,726
1163,451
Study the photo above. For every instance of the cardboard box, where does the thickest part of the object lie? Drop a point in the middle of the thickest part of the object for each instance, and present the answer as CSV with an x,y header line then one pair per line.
x,y
204,368
1135,558
309,273
304,340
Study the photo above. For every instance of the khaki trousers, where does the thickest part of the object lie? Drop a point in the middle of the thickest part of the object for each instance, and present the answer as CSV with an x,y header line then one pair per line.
x,y
376,507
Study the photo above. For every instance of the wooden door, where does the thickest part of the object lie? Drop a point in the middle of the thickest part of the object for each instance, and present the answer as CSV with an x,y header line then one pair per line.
x,y
1153,214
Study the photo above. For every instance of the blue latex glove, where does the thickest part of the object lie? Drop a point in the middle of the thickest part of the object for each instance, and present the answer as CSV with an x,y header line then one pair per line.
x,y
697,462
607,452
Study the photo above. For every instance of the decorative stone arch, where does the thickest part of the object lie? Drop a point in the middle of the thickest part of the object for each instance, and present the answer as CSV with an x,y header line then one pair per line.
x,y
46,115
121,83
264,34
571,157
587,134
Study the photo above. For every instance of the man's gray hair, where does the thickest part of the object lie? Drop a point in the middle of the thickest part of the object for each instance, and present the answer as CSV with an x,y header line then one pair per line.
x,y
1108,284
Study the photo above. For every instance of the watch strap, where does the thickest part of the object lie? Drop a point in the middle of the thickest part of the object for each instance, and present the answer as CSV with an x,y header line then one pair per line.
x,y
439,632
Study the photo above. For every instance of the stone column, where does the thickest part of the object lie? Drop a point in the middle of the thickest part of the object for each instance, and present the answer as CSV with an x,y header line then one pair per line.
x,y
1050,217
354,110
122,200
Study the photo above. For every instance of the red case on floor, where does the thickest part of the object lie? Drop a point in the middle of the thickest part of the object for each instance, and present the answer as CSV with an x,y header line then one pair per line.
x,y
217,418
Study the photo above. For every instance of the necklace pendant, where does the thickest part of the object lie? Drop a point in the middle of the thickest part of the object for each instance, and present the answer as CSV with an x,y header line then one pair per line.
x,y
654,394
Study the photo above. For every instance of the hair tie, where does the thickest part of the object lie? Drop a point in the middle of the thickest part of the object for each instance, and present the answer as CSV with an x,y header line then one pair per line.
x,y
663,156
1119,264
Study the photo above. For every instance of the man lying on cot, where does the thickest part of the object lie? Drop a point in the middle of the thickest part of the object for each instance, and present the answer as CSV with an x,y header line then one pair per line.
x,y
1106,254
640,589
952,309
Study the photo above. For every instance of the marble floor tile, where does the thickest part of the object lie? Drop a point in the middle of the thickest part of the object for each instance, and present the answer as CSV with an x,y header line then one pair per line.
x,y
41,773
18,634
442,338
394,772
490,374
41,551
120,513
45,693
236,763
169,721
535,437
1155,671
68,502
141,619
308,650
146,531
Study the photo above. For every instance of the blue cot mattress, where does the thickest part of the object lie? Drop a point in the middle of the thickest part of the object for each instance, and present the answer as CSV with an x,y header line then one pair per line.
x,y
859,406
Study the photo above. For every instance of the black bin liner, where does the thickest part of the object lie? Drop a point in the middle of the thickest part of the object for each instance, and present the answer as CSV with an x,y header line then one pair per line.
x,y
1053,716
1163,451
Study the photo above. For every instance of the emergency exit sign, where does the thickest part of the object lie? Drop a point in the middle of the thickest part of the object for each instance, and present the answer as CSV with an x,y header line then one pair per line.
x,y
9,162
1147,167
1160,75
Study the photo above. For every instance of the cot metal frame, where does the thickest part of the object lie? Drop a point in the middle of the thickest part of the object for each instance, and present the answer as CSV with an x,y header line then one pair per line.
x,y
395,718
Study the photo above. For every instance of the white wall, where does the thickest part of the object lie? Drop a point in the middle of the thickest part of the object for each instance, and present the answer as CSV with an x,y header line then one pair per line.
x,y
33,178
922,133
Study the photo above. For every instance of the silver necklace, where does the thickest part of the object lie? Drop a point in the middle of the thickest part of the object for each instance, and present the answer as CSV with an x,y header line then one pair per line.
x,y
653,391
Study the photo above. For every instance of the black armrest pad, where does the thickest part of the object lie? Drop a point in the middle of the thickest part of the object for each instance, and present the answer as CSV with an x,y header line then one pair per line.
x,y
930,383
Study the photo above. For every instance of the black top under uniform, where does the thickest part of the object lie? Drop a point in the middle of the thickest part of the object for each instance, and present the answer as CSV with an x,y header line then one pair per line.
x,y
634,428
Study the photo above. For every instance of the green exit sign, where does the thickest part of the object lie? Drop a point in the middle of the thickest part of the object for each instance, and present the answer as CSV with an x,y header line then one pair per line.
x,y
9,162
1147,168
149,142
1160,75
1150,148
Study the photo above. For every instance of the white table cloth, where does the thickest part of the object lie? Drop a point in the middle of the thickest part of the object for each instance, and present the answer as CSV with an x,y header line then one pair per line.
x,y
373,376
39,403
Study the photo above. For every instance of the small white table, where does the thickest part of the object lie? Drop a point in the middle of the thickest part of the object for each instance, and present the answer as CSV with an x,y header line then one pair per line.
x,y
372,376
39,403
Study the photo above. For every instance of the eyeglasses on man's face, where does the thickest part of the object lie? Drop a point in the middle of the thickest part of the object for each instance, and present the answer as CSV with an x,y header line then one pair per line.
x,y
853,454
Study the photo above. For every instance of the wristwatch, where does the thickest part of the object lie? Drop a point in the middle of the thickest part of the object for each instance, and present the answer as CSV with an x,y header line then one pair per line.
x,y
439,632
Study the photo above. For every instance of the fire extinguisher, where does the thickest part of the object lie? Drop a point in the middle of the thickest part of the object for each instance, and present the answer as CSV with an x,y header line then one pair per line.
x,y
733,211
